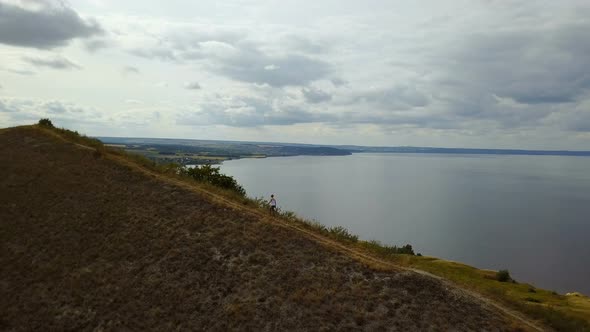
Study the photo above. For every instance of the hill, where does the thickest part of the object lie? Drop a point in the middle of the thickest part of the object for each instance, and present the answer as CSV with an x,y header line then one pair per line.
x,y
190,152
93,241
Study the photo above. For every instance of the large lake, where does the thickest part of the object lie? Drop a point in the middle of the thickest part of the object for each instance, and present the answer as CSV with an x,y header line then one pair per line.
x,y
527,214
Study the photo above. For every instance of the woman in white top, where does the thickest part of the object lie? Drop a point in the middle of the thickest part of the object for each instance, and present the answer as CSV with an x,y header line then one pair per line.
x,y
273,204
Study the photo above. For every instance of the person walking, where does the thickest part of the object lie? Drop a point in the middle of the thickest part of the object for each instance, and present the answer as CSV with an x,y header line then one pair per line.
x,y
273,204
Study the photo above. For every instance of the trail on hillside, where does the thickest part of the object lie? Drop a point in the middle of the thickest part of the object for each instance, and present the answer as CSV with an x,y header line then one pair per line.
x,y
94,243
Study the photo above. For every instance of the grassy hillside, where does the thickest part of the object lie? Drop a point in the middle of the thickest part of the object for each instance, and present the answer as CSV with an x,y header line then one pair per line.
x,y
93,238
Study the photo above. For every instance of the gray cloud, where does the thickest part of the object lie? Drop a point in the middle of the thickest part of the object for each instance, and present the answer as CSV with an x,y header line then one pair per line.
x,y
189,44
401,97
156,53
192,86
232,56
581,123
314,96
45,26
94,45
6,108
573,119
294,115
254,66
24,110
302,44
535,65
502,67
250,112
57,62
515,77
337,82
130,70
55,107
19,71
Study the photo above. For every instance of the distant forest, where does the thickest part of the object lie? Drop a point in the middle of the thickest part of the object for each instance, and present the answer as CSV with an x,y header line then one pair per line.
x,y
185,151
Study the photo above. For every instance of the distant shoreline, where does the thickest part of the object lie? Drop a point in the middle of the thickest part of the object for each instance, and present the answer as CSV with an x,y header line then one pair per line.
x,y
228,150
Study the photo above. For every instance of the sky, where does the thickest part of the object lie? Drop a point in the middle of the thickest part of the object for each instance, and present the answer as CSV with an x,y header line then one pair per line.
x,y
461,73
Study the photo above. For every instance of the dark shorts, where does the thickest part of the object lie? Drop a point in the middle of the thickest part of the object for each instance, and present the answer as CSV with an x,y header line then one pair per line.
x,y
272,207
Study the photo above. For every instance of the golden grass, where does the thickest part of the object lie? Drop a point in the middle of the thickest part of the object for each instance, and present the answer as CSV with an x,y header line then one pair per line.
x,y
571,313
568,313
98,241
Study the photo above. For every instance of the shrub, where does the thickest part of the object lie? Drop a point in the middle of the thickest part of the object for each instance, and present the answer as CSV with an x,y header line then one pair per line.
x,y
289,215
503,276
342,233
407,249
314,224
210,174
46,123
171,168
261,202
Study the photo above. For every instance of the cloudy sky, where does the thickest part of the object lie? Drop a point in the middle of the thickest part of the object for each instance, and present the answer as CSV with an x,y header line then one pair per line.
x,y
473,73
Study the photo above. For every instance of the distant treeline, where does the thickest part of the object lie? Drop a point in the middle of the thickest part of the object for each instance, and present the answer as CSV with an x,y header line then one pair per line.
x,y
233,149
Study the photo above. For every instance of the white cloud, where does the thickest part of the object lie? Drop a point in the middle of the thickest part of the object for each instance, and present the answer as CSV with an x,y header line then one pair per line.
x,y
511,73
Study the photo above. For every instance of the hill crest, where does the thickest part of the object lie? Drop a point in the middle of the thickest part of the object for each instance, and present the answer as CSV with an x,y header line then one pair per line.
x,y
93,240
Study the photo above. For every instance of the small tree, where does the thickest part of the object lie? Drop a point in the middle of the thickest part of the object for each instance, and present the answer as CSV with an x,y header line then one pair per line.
x,y
407,249
503,276
46,123
210,174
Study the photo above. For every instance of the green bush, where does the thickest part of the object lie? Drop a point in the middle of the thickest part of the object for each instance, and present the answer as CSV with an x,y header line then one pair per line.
x,y
340,232
503,276
407,249
46,123
261,202
382,249
210,174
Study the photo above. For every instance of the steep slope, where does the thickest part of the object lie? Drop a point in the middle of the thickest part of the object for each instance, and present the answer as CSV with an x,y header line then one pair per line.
x,y
91,243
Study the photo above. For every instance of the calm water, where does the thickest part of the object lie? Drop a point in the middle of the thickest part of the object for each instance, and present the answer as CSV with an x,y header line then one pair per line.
x,y
527,214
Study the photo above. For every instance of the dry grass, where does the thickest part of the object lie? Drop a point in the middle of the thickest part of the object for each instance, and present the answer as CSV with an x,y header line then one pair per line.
x,y
564,313
92,243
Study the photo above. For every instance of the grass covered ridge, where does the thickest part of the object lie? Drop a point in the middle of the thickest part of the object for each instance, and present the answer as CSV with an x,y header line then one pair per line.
x,y
567,313
96,242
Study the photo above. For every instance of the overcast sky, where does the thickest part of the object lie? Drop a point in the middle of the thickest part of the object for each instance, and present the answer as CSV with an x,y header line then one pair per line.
x,y
473,73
